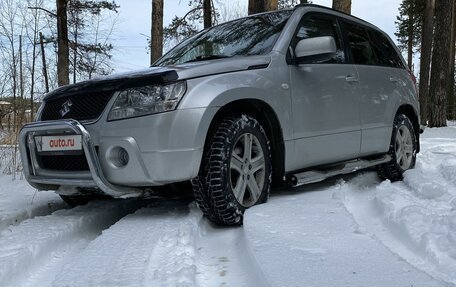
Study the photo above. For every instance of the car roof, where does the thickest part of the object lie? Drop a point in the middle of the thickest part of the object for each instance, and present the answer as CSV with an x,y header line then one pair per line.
x,y
340,13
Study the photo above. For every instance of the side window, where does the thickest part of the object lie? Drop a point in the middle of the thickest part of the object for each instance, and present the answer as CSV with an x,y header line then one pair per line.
x,y
360,47
385,51
318,26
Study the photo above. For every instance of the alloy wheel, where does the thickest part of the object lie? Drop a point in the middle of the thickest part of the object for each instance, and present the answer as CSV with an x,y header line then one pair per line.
x,y
247,169
404,147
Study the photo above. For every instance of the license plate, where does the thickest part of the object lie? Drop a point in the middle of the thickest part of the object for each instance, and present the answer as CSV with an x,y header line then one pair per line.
x,y
59,143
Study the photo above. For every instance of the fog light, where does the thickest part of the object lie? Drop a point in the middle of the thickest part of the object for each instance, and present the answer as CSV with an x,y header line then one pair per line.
x,y
123,157
117,156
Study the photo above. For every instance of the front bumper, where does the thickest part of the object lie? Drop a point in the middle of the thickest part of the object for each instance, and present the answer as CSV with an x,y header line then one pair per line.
x,y
162,148
43,179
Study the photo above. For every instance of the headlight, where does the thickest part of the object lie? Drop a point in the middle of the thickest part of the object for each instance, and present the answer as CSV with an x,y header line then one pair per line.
x,y
147,100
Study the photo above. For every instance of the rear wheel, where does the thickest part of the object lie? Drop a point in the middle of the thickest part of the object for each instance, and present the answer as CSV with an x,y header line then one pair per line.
x,y
403,149
236,172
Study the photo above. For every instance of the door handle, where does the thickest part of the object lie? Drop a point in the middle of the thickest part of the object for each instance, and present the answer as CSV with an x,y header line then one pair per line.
x,y
351,78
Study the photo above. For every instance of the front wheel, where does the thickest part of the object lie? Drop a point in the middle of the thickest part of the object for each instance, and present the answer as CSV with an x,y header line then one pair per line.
x,y
403,149
236,171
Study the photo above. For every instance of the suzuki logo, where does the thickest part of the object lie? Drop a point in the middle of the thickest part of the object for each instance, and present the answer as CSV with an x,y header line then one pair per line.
x,y
65,108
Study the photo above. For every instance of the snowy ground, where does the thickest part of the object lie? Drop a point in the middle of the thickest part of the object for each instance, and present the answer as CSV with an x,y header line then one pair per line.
x,y
346,231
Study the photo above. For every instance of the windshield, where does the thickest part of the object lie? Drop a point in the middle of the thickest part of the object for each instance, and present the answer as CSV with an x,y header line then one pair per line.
x,y
255,35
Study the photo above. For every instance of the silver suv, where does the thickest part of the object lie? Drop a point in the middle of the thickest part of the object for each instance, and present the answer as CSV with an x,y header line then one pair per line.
x,y
281,98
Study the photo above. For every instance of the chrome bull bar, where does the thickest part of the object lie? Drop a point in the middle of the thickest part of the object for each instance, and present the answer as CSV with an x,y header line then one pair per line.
x,y
93,179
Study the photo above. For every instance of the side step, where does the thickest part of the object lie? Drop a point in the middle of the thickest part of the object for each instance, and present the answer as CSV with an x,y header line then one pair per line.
x,y
312,176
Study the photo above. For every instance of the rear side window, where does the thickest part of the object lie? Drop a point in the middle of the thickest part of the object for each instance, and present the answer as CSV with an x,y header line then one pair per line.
x,y
317,25
358,41
384,50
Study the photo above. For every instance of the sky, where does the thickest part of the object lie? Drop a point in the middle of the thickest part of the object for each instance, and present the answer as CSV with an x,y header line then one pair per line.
x,y
133,25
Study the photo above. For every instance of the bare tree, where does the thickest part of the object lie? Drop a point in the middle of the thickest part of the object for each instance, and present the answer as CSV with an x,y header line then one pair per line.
x,y
33,38
187,25
425,60
8,29
342,5
156,43
440,71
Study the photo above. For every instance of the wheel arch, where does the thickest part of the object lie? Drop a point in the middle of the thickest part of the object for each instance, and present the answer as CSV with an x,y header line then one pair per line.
x,y
412,114
270,122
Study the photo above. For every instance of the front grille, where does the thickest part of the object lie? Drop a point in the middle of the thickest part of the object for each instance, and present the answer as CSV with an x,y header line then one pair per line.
x,y
64,162
78,107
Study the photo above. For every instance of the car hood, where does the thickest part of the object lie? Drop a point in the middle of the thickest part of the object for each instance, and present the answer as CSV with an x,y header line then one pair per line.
x,y
161,75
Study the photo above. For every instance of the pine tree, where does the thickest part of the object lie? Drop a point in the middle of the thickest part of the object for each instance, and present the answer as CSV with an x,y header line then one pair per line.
x,y
425,59
440,69
409,25
89,47
87,56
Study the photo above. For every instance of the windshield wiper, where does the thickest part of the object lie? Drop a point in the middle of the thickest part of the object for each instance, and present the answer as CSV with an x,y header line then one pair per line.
x,y
207,57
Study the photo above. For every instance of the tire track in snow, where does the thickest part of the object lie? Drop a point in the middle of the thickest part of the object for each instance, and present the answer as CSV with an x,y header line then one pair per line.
x,y
225,258
166,244
32,210
121,256
32,252
19,201
415,218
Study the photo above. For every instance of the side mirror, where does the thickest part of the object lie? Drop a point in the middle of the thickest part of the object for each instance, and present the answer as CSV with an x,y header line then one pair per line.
x,y
318,49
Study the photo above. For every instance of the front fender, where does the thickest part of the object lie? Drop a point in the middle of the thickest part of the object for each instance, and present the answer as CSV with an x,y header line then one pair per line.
x,y
217,91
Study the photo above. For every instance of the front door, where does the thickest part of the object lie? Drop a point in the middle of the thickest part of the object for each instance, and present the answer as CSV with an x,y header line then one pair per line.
x,y
326,113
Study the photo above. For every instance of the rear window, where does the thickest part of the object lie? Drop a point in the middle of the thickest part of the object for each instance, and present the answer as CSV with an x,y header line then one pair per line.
x,y
384,50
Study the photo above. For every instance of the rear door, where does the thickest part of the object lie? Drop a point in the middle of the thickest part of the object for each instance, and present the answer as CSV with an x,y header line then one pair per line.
x,y
325,102
379,86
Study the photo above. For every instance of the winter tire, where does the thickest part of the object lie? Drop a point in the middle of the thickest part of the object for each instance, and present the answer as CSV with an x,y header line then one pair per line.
x,y
402,150
236,171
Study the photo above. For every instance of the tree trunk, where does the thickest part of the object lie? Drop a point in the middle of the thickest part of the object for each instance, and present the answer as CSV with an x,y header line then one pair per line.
x,y
410,39
451,95
207,13
425,60
156,43
21,85
75,53
440,73
63,53
272,5
43,60
342,5
259,6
